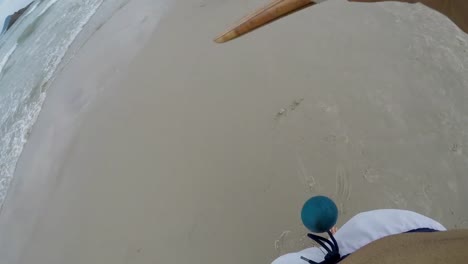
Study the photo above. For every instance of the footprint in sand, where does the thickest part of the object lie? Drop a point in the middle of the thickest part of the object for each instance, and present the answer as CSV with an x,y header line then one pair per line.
x,y
343,188
426,201
279,243
398,200
302,171
456,148
283,111
370,175
295,104
463,223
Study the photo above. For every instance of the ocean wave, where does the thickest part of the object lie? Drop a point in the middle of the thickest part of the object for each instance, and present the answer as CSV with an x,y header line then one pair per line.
x,y
23,108
29,30
14,141
59,54
48,5
7,56
31,9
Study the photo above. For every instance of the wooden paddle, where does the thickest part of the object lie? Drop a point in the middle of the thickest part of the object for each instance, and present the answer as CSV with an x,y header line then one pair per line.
x,y
266,14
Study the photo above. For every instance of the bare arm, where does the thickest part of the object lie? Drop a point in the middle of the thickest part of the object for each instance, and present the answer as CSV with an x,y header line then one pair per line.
x,y
456,10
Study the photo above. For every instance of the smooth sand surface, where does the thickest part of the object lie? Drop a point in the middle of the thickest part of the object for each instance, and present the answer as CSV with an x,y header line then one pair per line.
x,y
197,152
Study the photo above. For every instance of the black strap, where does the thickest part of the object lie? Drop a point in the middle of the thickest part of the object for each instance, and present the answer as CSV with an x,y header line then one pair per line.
x,y
333,255
422,230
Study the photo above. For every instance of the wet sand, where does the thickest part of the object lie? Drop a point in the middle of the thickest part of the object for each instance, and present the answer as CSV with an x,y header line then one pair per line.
x,y
196,152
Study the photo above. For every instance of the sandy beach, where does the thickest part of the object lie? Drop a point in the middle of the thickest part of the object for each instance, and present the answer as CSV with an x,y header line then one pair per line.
x,y
170,148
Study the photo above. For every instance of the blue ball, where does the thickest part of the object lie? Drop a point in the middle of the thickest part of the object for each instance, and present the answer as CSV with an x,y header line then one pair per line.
x,y
319,214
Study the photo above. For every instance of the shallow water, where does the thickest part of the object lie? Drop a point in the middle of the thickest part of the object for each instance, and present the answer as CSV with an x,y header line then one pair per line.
x,y
31,53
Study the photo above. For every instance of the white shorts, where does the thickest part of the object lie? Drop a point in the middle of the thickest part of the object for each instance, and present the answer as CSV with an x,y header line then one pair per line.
x,y
363,229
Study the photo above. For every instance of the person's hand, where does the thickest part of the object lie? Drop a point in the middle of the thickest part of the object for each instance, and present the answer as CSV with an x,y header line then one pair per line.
x,y
456,10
